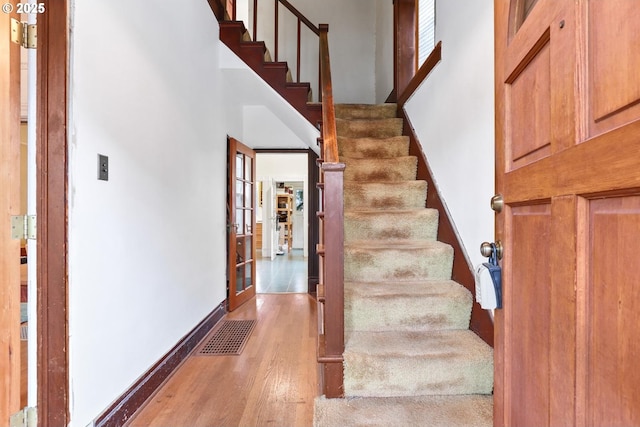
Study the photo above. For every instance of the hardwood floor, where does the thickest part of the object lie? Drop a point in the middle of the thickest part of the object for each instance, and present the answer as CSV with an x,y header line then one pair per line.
x,y
272,383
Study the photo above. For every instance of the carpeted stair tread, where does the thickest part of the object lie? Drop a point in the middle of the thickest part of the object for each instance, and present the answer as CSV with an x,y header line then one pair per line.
x,y
376,170
365,111
415,411
406,306
394,146
385,195
373,128
390,225
370,260
399,363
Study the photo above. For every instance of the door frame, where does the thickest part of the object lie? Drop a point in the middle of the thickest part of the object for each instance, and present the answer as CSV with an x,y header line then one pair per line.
x,y
10,205
51,160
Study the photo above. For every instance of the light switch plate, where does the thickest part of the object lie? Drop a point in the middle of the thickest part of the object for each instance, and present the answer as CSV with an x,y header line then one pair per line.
x,y
103,167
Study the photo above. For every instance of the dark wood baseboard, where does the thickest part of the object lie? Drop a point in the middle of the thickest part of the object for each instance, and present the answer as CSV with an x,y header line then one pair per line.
x,y
481,322
131,400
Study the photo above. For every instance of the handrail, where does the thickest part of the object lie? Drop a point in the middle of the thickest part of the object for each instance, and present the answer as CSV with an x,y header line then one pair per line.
x,y
429,64
329,133
300,16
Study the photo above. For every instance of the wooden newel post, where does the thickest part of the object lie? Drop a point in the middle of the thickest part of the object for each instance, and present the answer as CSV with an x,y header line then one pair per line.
x,y
333,277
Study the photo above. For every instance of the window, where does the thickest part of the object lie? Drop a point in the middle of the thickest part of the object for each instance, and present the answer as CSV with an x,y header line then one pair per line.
x,y
426,28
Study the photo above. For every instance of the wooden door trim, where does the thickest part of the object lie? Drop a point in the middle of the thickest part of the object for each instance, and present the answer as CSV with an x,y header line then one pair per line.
x,y
313,177
9,205
313,199
501,28
405,58
51,158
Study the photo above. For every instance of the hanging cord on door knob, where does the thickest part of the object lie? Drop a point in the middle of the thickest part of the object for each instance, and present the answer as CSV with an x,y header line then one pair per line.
x,y
489,277
488,249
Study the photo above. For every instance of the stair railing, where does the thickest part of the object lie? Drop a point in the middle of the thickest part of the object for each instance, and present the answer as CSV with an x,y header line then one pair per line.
x,y
300,20
330,292
221,6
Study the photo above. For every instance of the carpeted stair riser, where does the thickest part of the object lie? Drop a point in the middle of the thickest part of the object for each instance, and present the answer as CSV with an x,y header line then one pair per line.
x,y
406,306
366,111
395,146
429,260
392,169
385,195
376,128
416,224
414,411
416,363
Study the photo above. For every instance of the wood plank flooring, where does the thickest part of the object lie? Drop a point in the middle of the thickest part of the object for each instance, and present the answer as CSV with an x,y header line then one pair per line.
x,y
272,383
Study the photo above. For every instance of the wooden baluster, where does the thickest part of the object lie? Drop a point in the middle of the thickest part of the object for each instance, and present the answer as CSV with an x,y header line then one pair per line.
x,y
275,38
298,55
255,20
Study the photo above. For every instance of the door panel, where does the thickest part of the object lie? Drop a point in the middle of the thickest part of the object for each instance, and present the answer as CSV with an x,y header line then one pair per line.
x,y
614,81
613,304
567,165
527,329
242,251
530,137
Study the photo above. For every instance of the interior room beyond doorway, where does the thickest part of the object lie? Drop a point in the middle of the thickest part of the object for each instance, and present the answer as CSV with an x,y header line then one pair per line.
x,y
281,223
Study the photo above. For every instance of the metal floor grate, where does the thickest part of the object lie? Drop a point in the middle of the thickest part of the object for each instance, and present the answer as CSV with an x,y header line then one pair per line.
x,y
229,338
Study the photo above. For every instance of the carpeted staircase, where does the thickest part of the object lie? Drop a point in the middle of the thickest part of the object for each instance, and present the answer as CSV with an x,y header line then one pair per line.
x,y
410,358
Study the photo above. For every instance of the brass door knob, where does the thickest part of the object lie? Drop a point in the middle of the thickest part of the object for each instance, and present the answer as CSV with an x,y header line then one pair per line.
x,y
497,203
486,249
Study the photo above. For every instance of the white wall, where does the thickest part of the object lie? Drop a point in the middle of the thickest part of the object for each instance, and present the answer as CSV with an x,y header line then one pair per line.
x,y
146,248
384,50
453,116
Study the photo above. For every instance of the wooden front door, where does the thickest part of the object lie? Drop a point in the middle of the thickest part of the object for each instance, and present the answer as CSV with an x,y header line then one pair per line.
x,y
568,167
9,205
242,223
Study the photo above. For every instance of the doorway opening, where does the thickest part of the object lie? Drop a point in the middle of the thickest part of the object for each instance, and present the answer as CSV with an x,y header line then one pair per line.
x,y
282,240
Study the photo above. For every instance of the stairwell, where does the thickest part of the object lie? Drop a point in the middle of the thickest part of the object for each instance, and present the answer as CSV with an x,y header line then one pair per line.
x,y
410,358
276,73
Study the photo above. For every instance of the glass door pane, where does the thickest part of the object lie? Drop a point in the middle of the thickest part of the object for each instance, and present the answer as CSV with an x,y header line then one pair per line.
x,y
519,12
240,278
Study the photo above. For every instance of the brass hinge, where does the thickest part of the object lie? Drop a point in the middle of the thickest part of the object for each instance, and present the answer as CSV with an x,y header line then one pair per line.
x,y
27,417
26,35
24,227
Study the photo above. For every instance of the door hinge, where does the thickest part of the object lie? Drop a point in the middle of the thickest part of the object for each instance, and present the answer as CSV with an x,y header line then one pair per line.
x,y
24,227
27,417
24,34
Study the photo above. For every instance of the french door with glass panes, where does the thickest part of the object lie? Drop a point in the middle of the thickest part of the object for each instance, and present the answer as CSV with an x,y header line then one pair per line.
x,y
242,221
